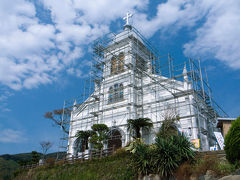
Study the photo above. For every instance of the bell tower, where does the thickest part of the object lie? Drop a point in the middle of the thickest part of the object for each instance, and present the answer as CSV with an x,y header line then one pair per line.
x,y
126,61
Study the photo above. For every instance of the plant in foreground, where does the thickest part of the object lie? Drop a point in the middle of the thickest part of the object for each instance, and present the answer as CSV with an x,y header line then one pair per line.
x,y
163,157
232,143
170,153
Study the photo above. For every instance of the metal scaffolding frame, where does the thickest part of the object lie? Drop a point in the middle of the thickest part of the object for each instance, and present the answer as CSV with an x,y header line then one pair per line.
x,y
164,77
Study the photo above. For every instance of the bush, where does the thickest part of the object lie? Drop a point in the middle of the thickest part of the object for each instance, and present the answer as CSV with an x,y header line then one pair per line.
x,y
163,157
184,171
99,127
50,162
205,163
232,143
224,168
142,159
120,152
170,153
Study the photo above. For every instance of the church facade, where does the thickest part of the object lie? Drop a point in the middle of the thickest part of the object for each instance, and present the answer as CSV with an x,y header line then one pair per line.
x,y
132,87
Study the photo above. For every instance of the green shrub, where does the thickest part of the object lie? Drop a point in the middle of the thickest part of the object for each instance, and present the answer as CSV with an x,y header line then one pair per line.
x,y
224,168
142,159
163,157
207,162
203,164
100,127
131,146
119,152
232,143
170,153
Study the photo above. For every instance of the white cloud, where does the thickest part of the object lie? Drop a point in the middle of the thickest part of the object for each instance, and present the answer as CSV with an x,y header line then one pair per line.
x,y
171,16
33,53
219,37
217,24
4,95
11,136
23,43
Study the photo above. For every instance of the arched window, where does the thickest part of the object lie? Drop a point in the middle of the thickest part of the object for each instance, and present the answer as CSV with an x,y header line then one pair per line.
x,y
121,91
116,89
114,65
110,95
117,64
115,93
121,62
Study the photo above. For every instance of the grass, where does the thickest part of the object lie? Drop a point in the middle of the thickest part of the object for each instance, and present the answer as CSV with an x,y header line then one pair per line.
x,y
118,167
7,168
109,168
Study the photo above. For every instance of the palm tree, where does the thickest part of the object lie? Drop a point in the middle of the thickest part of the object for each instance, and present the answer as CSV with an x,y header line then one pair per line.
x,y
82,136
135,125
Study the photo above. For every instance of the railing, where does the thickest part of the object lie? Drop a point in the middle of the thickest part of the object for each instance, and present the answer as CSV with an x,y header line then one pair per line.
x,y
80,158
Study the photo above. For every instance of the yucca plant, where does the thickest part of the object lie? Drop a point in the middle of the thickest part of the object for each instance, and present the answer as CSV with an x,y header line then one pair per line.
x,y
132,146
184,148
165,160
170,153
141,158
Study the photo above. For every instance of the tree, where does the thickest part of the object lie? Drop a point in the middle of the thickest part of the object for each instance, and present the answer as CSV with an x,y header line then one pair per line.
x,y
169,125
45,146
232,143
60,117
134,126
35,157
99,136
82,137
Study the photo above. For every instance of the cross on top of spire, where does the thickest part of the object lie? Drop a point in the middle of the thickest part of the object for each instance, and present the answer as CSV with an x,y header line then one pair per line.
x,y
129,15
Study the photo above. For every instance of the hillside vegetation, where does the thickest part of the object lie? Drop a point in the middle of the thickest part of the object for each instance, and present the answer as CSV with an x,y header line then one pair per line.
x,y
10,163
120,167
116,167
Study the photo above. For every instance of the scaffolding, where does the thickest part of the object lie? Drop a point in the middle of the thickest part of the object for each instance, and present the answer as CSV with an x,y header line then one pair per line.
x,y
142,71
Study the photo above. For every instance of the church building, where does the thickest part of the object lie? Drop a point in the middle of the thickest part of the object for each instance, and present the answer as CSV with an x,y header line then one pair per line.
x,y
131,81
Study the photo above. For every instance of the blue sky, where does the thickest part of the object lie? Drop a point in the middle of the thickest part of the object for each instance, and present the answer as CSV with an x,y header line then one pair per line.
x,y
44,54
